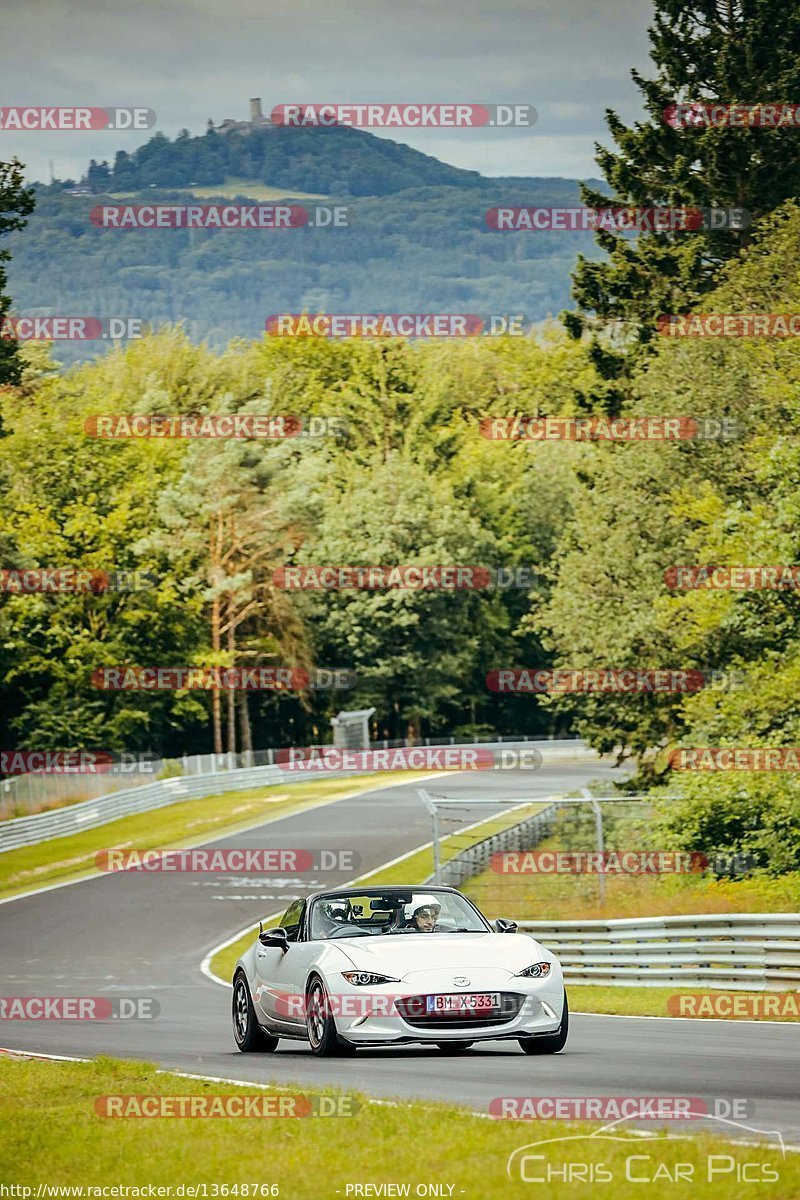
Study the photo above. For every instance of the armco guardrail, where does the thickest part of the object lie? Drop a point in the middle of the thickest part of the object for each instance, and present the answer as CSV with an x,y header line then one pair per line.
x,y
746,951
61,822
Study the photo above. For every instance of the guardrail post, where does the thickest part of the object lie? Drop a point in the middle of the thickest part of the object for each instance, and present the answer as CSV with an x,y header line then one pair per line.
x,y
598,825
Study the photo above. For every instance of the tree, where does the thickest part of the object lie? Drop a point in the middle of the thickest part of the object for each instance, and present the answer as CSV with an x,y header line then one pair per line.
x,y
98,176
16,203
705,51
69,500
412,650
643,508
228,530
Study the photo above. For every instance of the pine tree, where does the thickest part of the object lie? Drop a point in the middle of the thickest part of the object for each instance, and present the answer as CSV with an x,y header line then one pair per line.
x,y
15,205
744,52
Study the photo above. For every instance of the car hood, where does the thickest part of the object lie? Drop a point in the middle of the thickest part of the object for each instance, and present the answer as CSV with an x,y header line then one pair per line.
x,y
399,954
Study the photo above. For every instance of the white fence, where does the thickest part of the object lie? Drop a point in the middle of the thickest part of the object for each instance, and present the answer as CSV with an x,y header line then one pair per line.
x,y
61,822
745,951
22,795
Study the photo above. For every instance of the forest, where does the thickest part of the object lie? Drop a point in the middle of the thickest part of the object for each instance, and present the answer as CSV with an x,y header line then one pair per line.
x,y
390,464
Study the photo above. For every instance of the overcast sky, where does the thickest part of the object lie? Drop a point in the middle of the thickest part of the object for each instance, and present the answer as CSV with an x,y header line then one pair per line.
x,y
193,59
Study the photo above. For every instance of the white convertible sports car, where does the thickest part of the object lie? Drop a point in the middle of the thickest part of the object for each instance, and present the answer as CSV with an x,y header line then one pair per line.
x,y
375,966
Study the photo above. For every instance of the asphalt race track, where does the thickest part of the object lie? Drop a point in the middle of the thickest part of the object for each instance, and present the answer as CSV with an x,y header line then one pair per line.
x,y
137,934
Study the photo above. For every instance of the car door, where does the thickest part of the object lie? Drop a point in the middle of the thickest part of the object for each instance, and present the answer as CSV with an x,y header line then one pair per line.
x,y
281,976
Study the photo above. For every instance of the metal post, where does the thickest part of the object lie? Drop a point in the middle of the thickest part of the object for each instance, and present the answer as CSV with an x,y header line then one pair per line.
x,y
431,807
598,824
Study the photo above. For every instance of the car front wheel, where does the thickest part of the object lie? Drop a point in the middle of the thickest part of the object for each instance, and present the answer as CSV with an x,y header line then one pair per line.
x,y
321,1027
247,1033
549,1043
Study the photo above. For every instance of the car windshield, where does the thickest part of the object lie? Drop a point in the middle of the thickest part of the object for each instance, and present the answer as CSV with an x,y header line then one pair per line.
x,y
376,912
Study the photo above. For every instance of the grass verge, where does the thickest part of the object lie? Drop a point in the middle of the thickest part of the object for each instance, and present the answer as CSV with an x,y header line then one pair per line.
x,y
187,822
53,1135
576,897
652,1002
251,189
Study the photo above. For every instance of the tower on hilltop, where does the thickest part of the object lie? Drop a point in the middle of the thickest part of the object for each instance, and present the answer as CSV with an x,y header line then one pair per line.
x,y
257,120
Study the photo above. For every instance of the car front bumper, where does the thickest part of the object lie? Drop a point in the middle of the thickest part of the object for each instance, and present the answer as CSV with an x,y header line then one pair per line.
x,y
536,1009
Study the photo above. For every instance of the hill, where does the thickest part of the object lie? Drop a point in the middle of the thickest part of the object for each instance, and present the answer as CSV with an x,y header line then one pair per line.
x,y
344,161
417,240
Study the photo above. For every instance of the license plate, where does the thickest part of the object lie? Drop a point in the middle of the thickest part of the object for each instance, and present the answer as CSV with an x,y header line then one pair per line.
x,y
470,1003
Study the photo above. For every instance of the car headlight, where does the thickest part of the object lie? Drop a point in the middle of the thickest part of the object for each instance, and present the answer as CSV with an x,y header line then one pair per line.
x,y
365,978
535,971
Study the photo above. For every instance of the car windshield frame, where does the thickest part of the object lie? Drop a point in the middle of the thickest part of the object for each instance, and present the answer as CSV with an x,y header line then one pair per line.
x,y
397,898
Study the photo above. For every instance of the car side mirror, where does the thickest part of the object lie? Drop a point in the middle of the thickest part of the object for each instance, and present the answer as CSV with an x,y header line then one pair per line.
x,y
502,925
274,937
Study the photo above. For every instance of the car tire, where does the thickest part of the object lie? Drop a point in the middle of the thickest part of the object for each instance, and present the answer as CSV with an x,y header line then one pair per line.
x,y
454,1047
550,1043
320,1025
247,1033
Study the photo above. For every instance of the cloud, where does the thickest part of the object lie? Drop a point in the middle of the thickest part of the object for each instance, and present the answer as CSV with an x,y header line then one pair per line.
x,y
191,59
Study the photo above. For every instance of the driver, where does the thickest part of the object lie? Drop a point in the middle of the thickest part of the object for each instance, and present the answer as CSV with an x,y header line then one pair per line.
x,y
422,914
335,913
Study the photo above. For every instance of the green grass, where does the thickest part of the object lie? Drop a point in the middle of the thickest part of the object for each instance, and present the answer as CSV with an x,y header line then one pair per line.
x,y
643,1002
249,188
52,1135
577,897
188,822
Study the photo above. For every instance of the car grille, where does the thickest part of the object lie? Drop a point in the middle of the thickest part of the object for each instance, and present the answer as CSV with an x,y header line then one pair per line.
x,y
412,1010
